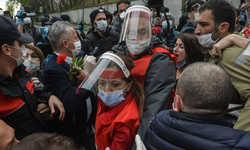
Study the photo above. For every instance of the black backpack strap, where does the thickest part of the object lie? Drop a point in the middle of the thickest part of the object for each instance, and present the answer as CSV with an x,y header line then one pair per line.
x,y
235,108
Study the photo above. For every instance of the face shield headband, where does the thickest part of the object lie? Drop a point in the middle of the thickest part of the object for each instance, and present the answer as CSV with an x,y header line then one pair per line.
x,y
102,70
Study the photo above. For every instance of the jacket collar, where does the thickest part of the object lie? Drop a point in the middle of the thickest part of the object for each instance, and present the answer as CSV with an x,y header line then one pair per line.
x,y
105,34
9,85
54,57
108,114
211,119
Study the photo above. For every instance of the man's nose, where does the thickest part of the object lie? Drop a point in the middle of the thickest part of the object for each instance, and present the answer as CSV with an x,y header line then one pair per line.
x,y
197,31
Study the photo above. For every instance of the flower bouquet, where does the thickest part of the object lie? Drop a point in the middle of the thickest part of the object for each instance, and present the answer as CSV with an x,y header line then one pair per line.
x,y
74,65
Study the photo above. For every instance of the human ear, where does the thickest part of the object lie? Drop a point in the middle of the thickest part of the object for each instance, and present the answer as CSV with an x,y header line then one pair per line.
x,y
125,91
189,15
6,49
65,43
239,18
177,103
224,27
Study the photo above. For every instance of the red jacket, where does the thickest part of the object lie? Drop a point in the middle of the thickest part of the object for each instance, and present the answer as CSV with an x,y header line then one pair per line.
x,y
139,71
141,65
116,127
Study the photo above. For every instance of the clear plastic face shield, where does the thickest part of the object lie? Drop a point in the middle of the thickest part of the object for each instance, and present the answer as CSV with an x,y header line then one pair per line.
x,y
108,73
244,56
137,24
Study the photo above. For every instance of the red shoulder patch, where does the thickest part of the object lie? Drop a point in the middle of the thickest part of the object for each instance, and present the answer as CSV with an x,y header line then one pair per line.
x,y
9,104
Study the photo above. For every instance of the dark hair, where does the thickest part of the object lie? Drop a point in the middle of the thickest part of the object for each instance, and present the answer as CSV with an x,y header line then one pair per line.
x,y
237,12
42,141
192,48
120,2
109,15
6,12
137,89
38,52
9,42
222,11
205,88
165,8
192,2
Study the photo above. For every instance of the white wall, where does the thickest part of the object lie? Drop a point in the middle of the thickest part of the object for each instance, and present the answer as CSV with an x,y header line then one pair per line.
x,y
173,5
235,3
77,15
174,8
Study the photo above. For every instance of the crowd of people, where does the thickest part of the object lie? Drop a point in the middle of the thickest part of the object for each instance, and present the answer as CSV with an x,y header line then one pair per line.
x,y
144,82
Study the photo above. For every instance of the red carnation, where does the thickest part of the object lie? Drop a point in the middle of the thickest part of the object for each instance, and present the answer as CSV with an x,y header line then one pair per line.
x,y
61,59
247,31
156,30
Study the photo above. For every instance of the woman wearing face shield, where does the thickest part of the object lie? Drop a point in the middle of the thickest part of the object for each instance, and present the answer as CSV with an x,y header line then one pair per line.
x,y
154,66
121,101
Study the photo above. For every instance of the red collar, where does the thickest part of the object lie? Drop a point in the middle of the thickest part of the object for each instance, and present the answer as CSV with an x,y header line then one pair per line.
x,y
108,114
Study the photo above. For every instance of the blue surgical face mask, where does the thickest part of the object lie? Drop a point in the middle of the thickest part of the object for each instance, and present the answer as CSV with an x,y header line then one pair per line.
x,y
181,64
112,99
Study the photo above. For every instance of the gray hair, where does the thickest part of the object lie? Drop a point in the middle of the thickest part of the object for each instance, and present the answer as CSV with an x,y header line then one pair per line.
x,y
205,89
58,32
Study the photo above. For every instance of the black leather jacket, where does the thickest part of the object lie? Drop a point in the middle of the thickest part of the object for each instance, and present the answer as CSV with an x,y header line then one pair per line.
x,y
98,44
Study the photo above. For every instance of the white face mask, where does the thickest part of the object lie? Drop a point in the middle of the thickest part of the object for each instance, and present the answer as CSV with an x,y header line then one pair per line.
x,y
77,49
162,16
32,66
27,21
165,24
137,47
21,59
206,39
195,17
122,15
101,25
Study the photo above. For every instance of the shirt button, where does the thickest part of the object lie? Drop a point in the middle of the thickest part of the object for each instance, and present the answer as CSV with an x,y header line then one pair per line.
x,y
24,91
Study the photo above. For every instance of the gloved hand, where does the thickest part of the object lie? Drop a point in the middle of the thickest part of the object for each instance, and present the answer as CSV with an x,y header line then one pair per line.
x,y
44,31
89,63
20,19
107,148
37,84
81,26
139,143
